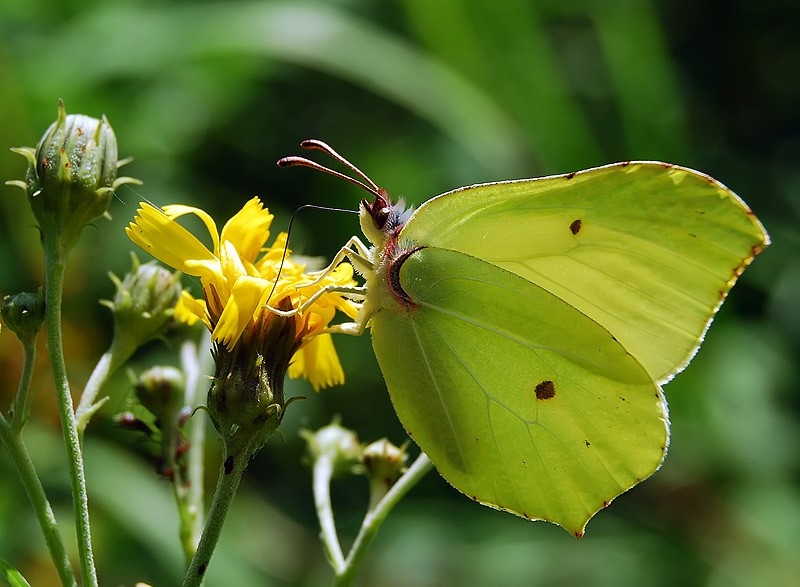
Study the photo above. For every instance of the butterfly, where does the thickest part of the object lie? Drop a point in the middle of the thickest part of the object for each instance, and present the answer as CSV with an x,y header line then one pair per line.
x,y
524,328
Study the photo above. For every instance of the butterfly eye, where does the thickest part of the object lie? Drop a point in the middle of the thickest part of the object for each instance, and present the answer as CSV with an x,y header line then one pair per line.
x,y
381,217
379,211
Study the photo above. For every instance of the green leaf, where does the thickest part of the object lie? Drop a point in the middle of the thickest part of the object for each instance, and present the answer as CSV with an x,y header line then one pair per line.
x,y
12,575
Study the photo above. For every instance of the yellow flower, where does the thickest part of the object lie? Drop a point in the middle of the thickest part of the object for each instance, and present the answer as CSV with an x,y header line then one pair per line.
x,y
238,275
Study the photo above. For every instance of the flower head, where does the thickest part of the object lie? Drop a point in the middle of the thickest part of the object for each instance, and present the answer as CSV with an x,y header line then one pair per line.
x,y
243,279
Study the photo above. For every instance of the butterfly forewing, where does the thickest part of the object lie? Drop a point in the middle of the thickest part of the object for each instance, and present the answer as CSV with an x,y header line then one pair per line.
x,y
647,250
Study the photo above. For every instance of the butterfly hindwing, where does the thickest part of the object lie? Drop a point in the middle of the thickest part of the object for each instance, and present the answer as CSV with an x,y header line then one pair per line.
x,y
521,401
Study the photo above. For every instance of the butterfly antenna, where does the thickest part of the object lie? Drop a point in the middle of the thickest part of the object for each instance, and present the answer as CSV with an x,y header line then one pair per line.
x,y
314,144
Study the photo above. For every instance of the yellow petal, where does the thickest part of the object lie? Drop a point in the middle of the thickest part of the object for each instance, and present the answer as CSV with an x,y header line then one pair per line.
x,y
190,310
244,300
230,262
167,241
178,210
318,362
248,230
270,261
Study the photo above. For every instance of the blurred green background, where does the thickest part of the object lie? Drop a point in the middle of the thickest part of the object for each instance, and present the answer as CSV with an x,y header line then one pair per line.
x,y
425,96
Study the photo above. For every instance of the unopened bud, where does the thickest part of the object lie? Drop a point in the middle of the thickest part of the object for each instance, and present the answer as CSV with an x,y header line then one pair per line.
x,y
23,313
385,462
72,175
144,303
337,443
160,390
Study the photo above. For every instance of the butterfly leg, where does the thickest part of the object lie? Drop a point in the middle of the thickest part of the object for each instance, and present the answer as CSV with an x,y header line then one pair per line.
x,y
355,251
354,328
359,256
354,293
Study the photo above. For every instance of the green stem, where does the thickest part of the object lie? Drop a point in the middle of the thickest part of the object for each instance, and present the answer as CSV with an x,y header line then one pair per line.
x,y
55,266
185,518
322,474
44,513
87,407
188,489
24,398
375,517
230,475
196,388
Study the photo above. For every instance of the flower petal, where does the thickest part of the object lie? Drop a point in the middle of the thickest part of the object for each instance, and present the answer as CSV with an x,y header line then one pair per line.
x,y
167,241
190,310
178,210
244,300
318,362
248,230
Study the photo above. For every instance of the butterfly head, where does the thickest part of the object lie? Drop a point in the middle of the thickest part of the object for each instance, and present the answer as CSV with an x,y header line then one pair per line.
x,y
381,218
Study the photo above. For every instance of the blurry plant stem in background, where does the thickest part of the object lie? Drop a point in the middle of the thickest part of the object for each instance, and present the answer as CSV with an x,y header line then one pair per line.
x,y
55,260
196,362
347,569
12,440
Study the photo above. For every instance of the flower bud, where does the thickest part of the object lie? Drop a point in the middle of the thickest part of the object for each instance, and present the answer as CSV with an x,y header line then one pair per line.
x,y
144,303
160,390
72,175
384,462
337,443
23,313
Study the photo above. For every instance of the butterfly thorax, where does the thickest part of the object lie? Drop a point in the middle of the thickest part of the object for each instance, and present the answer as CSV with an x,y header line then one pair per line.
x,y
382,222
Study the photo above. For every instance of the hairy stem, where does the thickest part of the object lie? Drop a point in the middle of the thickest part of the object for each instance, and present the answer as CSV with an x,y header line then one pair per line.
x,y
87,407
230,475
24,398
55,266
44,513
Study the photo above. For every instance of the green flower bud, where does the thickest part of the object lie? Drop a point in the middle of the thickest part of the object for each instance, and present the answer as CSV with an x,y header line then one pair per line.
x,y
23,313
336,443
144,303
160,390
384,462
72,175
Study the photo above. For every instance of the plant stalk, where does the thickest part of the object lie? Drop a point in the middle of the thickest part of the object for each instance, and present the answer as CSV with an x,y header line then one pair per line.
x,y
234,463
24,398
55,267
41,506
322,475
376,516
